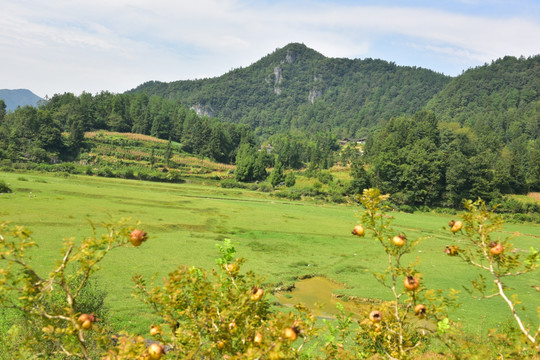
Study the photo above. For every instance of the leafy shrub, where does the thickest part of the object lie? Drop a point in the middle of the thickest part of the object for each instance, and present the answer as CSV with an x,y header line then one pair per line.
x,y
174,176
406,208
225,314
231,184
45,168
325,177
6,165
291,194
317,188
515,206
128,173
105,172
4,188
66,167
443,210
290,179
337,198
487,252
265,187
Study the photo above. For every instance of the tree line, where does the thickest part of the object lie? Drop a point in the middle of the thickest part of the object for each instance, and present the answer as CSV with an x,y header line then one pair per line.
x,y
426,162
35,134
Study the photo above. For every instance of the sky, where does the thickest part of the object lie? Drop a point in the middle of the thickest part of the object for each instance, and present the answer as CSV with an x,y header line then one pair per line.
x,y
57,46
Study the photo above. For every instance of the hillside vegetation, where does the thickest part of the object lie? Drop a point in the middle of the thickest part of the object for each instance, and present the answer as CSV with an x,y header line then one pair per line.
x,y
432,140
298,88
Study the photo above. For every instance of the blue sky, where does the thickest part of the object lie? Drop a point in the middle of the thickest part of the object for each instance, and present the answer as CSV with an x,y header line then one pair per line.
x,y
57,46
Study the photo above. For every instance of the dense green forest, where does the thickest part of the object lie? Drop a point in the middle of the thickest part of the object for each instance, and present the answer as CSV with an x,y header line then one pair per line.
x,y
478,137
297,88
432,140
425,162
35,134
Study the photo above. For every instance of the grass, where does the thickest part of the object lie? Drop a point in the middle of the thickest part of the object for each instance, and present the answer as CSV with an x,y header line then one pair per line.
x,y
282,240
531,197
131,136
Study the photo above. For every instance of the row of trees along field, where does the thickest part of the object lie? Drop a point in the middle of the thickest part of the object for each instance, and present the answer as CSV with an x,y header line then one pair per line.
x,y
425,162
30,134
35,134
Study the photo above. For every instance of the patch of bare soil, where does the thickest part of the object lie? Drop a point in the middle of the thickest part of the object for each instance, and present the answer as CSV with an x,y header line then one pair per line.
x,y
534,195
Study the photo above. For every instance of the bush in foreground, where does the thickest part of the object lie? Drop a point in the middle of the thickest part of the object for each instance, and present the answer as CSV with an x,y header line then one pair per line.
x,y
4,188
225,313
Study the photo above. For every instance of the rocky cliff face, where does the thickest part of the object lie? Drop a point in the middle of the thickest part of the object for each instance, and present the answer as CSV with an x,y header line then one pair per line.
x,y
290,57
203,110
278,76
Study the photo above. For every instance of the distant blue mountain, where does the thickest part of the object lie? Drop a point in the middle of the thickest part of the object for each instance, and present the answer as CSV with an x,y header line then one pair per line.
x,y
19,97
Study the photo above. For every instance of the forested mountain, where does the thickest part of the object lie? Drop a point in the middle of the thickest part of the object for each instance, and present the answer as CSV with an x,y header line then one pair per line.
x,y
502,97
298,88
19,97
479,137
432,140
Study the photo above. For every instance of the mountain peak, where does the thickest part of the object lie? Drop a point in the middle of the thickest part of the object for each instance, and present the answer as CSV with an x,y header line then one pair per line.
x,y
296,86
295,51
19,97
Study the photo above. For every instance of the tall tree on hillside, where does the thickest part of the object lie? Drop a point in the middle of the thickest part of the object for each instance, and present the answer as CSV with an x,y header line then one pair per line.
x,y
86,108
361,179
2,110
190,133
138,111
219,143
276,176
102,108
533,167
457,178
168,153
422,179
245,160
49,134
4,131
160,125
76,137
259,166
177,122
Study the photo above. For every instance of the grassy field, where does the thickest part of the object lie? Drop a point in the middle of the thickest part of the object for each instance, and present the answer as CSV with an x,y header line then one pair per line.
x,y
282,240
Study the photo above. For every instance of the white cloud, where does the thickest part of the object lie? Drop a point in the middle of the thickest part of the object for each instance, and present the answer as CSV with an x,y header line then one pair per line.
x,y
57,45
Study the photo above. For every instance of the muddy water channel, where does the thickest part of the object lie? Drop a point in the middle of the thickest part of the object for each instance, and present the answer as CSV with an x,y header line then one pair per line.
x,y
317,293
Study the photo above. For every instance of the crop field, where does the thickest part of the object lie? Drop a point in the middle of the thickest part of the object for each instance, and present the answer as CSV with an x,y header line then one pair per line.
x,y
282,240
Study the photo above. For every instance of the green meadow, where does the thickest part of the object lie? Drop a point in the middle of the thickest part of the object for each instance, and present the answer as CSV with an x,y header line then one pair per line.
x,y
282,240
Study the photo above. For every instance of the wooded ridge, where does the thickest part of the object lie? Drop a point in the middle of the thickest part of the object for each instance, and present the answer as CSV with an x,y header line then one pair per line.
x,y
298,88
431,139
